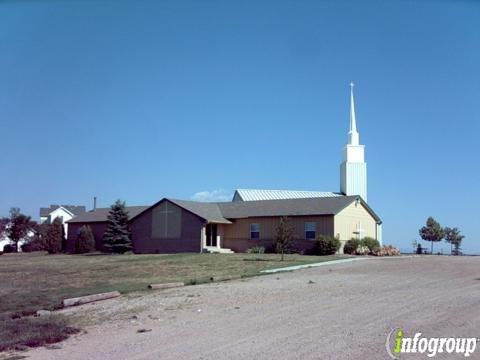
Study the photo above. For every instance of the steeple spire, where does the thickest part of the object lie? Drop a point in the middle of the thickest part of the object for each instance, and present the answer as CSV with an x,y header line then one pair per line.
x,y
353,136
353,170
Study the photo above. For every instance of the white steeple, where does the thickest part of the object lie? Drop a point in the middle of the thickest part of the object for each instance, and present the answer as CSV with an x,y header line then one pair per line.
x,y
353,170
353,137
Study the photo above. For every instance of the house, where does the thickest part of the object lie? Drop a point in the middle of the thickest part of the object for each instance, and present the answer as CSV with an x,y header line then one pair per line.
x,y
250,219
64,212
171,226
4,241
186,226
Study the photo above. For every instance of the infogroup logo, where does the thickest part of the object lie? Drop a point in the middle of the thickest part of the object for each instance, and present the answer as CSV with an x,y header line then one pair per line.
x,y
397,344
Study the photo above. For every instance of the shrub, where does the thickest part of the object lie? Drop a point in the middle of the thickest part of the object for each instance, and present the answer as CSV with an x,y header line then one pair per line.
x,y
85,241
362,250
54,236
35,244
27,247
351,246
33,331
9,248
369,242
1,252
326,245
387,250
256,250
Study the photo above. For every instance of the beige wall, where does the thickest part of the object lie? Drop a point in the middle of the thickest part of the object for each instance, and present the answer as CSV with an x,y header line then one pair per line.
x,y
240,229
347,222
236,236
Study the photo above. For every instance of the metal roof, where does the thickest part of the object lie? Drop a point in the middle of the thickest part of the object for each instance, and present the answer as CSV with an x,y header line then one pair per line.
x,y
256,194
101,214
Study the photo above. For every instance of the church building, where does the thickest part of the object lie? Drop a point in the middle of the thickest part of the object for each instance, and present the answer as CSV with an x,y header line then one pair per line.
x,y
251,218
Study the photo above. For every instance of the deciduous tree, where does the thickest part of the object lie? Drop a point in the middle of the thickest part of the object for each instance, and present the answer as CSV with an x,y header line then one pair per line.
x,y
17,227
284,236
432,232
454,238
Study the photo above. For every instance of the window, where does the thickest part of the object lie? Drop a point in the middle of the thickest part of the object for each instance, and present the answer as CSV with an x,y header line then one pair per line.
x,y
310,230
254,231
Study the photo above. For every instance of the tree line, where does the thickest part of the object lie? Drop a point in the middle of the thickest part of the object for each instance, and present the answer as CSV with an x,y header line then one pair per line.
x,y
51,237
434,232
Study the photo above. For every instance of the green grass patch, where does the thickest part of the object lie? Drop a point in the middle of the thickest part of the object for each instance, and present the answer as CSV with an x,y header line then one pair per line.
x,y
34,281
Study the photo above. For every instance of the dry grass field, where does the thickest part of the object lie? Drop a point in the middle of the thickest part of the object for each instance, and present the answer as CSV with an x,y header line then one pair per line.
x,y
36,281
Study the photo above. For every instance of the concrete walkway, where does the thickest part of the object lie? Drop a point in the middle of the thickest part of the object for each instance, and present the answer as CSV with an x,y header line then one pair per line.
x,y
297,267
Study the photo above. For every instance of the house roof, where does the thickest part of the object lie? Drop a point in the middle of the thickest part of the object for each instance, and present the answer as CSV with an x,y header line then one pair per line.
x,y
224,212
290,207
74,209
101,214
257,194
208,211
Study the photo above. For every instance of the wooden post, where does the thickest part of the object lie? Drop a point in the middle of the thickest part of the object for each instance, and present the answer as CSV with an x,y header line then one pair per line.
x,y
165,286
90,298
225,278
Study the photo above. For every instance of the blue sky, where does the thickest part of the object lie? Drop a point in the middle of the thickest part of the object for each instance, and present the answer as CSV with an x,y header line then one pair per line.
x,y
144,99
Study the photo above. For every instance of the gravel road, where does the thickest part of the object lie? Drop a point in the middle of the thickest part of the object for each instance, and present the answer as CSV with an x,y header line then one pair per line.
x,y
342,311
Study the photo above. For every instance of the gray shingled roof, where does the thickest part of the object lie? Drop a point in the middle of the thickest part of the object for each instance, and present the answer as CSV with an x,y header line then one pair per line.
x,y
208,211
220,212
74,209
286,207
223,212
100,214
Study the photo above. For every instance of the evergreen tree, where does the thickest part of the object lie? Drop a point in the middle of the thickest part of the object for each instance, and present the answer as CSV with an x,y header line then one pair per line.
x,y
432,231
453,237
117,235
284,236
55,236
85,241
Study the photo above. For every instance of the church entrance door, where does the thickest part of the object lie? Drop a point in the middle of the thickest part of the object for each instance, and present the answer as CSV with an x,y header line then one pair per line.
x,y
211,234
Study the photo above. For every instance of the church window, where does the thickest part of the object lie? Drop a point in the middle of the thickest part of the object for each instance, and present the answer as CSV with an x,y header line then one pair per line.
x,y
254,231
310,230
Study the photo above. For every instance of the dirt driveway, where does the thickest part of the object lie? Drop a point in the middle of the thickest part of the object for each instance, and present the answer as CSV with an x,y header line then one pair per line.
x,y
341,311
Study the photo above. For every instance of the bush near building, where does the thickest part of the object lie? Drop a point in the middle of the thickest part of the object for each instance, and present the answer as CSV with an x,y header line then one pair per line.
x,y
387,250
326,245
351,246
55,237
256,250
85,241
369,242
